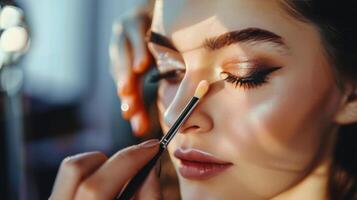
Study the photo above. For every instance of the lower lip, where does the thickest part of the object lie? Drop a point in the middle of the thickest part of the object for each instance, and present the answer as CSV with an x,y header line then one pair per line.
x,y
201,170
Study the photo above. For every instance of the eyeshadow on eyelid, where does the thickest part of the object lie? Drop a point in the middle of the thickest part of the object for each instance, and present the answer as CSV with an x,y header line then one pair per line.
x,y
239,72
241,65
165,60
163,68
252,61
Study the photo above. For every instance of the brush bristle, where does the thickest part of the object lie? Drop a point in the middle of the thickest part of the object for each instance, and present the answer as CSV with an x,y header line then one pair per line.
x,y
201,89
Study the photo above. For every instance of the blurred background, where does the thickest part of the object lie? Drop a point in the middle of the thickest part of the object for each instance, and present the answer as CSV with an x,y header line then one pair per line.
x,y
59,99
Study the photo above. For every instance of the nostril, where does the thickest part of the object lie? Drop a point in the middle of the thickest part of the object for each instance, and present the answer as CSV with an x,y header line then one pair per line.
x,y
190,129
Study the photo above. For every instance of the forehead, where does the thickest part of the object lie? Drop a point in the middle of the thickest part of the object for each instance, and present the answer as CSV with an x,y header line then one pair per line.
x,y
196,20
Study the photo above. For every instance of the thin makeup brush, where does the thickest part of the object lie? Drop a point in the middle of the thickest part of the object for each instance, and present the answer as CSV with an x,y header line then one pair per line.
x,y
140,177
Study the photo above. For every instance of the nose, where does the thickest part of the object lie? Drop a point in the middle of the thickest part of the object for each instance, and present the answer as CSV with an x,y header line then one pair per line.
x,y
199,120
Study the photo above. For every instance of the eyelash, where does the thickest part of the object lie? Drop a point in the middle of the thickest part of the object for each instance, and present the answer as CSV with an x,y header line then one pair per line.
x,y
255,79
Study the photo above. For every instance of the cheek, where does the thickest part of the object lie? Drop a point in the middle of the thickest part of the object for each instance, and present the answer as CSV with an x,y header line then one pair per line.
x,y
282,124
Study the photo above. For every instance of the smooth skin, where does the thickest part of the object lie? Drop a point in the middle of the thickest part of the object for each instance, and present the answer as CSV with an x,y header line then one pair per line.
x,y
94,176
281,133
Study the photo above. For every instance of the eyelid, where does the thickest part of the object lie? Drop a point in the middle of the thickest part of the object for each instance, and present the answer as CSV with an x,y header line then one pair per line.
x,y
253,71
170,64
242,68
255,78
239,73
166,62
250,66
250,61
241,64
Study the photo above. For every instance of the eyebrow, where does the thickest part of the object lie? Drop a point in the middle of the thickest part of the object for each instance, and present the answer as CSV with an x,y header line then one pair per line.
x,y
160,40
248,35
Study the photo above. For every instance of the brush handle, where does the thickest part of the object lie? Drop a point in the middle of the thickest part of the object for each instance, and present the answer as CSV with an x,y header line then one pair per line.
x,y
179,121
140,177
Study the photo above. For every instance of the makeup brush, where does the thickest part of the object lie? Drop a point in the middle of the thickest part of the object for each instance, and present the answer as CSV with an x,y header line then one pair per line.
x,y
140,177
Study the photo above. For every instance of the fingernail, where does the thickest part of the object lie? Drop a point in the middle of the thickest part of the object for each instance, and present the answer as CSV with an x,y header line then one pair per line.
x,y
134,122
137,64
149,143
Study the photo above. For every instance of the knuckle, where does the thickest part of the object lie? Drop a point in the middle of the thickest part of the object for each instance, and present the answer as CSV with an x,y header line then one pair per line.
x,y
72,166
75,166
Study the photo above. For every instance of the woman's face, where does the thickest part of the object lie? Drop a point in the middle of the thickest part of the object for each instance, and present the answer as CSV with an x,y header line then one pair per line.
x,y
269,112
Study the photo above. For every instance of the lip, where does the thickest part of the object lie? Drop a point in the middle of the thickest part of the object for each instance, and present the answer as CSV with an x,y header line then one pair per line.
x,y
199,165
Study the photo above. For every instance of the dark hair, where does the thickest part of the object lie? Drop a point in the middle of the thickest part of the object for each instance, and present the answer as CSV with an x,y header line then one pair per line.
x,y
338,29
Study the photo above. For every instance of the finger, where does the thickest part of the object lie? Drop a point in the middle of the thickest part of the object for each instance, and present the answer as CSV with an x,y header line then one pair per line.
x,y
126,84
133,109
121,61
132,103
140,123
150,190
136,31
110,178
72,171
128,106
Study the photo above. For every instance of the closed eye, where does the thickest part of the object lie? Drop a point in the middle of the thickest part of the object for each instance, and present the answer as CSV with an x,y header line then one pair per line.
x,y
254,79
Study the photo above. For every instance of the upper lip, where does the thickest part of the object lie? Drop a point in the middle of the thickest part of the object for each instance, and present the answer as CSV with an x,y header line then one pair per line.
x,y
195,155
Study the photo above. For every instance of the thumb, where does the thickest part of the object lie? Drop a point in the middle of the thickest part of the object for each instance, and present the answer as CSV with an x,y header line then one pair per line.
x,y
110,178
